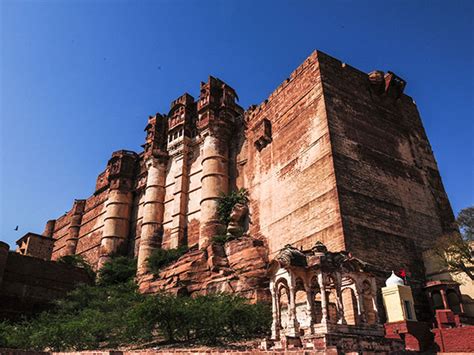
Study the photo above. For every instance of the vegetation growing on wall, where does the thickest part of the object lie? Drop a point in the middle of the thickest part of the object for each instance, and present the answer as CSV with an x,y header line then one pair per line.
x,y
163,257
77,261
227,203
113,313
224,209
221,239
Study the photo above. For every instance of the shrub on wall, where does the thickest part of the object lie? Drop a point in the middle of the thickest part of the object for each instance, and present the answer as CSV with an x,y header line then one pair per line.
x,y
163,257
78,261
221,239
227,202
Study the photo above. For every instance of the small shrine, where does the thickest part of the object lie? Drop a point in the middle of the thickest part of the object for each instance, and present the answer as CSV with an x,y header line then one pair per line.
x,y
323,300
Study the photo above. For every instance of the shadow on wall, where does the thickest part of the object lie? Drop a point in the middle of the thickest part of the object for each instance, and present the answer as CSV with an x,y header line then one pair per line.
x,y
28,284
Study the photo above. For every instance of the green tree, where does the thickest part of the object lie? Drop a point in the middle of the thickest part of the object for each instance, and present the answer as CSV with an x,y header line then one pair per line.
x,y
118,270
465,223
455,249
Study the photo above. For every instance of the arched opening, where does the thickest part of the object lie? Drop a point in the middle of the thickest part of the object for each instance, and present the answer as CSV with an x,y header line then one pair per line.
x,y
368,300
303,314
183,292
332,306
437,300
318,311
453,301
283,306
349,301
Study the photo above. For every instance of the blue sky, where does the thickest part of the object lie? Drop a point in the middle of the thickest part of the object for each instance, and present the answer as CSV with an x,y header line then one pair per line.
x,y
79,78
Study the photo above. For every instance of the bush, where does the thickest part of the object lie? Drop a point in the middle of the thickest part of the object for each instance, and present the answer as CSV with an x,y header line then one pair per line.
x,y
118,270
94,317
90,317
208,319
113,313
163,257
227,202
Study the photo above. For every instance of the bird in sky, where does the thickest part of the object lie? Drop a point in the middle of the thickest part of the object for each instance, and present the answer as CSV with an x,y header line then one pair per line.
x,y
16,228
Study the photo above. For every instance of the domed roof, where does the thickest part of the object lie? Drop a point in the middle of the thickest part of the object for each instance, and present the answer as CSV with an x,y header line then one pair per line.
x,y
394,280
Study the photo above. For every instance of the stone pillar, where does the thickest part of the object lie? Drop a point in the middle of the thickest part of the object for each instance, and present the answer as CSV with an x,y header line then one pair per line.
x,y
116,224
218,113
153,211
275,313
310,307
214,182
444,298
324,302
339,301
118,206
180,194
4,249
461,304
360,305
74,226
293,325
374,292
49,228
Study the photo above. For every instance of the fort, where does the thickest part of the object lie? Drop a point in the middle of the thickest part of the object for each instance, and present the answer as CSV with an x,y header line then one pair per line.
x,y
333,156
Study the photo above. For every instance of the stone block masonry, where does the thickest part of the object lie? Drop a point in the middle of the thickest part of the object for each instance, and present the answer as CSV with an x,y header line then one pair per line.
x,y
29,284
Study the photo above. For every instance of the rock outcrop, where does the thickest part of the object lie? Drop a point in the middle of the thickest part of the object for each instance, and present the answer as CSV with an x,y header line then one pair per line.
x,y
241,268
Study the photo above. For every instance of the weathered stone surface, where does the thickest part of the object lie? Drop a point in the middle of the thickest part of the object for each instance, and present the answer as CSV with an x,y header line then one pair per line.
x,y
242,271
29,284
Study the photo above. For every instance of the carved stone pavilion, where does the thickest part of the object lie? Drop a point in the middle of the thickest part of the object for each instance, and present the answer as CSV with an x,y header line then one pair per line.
x,y
323,299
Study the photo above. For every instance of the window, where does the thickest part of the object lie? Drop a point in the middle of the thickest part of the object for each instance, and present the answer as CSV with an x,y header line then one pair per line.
x,y
408,311
453,301
437,300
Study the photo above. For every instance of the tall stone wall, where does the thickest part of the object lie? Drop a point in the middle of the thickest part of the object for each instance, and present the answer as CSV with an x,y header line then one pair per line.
x,y
29,284
389,188
291,179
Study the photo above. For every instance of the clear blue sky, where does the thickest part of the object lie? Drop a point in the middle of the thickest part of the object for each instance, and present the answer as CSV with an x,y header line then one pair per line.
x,y
79,78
